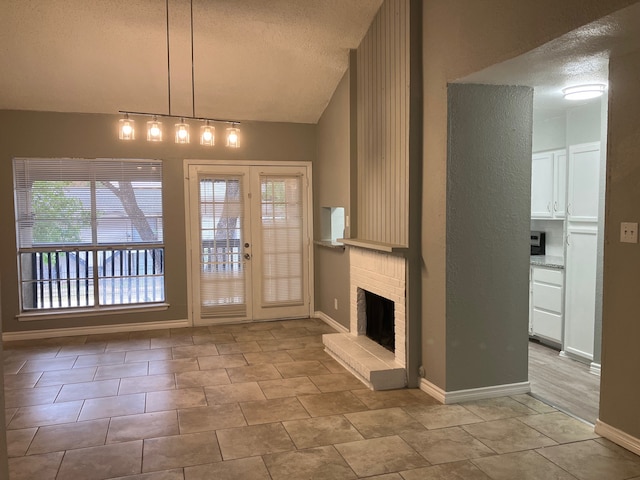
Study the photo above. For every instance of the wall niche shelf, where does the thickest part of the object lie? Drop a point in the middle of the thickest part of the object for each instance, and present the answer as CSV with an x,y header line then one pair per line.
x,y
373,245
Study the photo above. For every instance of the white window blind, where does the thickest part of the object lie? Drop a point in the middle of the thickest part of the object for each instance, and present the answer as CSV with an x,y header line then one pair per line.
x,y
89,232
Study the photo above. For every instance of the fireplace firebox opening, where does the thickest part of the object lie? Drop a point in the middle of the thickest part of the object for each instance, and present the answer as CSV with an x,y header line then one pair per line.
x,y
380,320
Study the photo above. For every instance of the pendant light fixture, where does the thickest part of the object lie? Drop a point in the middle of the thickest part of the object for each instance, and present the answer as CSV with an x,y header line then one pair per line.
x,y
126,130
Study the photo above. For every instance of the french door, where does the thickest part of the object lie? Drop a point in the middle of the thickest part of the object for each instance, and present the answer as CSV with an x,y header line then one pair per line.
x,y
249,242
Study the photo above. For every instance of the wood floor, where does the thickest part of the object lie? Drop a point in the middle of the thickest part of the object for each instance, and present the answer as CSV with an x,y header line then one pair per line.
x,y
564,383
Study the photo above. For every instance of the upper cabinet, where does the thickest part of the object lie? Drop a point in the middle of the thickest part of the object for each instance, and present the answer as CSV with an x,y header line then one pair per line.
x,y
584,182
548,184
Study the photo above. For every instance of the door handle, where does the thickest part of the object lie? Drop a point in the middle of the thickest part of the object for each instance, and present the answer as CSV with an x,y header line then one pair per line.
x,y
247,256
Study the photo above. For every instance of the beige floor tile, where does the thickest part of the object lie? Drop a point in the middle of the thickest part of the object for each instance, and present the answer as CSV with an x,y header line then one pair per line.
x,y
122,371
159,367
498,408
174,399
293,332
336,382
522,466
312,341
110,358
85,349
274,410
9,413
56,438
560,427
506,436
102,462
378,456
618,449
175,474
141,426
253,373
239,347
381,423
112,406
214,362
447,471
590,460
253,440
11,367
188,331
25,397
21,380
40,467
169,342
128,345
288,387
41,415
214,417
303,368
107,337
333,366
214,338
148,334
148,355
176,451
234,393
252,468
533,403
446,445
62,377
320,431
151,383
18,441
202,378
309,354
393,398
441,416
193,351
253,336
85,390
277,356
320,463
333,403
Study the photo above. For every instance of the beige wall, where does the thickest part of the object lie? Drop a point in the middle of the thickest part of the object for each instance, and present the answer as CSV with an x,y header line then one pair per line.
x,y
461,37
620,384
331,186
47,134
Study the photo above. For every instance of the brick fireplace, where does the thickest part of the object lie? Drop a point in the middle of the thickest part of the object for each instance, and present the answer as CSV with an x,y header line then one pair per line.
x,y
382,273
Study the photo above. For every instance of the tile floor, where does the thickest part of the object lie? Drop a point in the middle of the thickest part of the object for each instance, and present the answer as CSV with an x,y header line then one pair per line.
x,y
264,401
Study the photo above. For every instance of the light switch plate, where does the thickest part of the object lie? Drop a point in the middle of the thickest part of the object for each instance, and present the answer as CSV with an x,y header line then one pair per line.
x,y
629,232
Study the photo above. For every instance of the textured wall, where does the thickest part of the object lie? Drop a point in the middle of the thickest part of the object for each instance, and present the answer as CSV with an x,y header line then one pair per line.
x,y
620,386
47,134
331,188
488,206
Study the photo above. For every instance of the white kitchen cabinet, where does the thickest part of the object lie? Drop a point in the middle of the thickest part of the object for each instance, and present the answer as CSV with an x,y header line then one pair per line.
x,y
584,182
548,184
547,303
580,296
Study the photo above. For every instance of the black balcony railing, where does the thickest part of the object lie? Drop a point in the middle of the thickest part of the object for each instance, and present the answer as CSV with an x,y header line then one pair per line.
x,y
76,278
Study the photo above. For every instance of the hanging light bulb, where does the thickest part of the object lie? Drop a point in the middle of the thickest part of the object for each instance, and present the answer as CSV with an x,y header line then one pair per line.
x,y
233,137
126,130
207,135
182,132
154,130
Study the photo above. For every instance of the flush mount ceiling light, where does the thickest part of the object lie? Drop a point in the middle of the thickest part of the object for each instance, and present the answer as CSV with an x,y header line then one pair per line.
x,y
583,92
126,129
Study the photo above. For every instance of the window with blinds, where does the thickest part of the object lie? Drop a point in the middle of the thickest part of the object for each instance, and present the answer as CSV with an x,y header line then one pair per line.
x,y
89,232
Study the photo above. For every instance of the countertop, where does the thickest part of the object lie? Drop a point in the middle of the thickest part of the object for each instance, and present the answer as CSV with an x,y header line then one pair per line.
x,y
547,261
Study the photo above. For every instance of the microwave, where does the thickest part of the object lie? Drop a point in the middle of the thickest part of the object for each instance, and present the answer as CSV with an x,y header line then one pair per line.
x,y
537,243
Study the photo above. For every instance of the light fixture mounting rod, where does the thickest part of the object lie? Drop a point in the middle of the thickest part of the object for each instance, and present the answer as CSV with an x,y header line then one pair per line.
x,y
193,89
168,59
203,119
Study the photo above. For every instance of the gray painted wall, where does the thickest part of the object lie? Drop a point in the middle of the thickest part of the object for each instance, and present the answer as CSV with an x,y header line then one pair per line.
x,y
488,222
4,460
332,188
95,135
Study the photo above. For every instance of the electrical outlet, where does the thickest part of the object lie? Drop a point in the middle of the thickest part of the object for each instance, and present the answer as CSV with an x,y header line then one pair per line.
x,y
335,303
629,232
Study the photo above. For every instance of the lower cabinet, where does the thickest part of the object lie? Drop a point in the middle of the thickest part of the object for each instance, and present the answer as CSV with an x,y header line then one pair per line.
x,y
547,311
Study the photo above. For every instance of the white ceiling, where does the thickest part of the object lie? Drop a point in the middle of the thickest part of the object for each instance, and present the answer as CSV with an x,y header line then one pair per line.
x,y
577,58
268,60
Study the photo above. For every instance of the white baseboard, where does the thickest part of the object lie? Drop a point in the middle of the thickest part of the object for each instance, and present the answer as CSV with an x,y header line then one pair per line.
x,y
331,322
92,330
618,437
481,393
595,368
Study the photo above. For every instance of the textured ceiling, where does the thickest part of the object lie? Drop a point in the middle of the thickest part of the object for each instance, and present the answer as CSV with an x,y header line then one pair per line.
x,y
269,60
577,58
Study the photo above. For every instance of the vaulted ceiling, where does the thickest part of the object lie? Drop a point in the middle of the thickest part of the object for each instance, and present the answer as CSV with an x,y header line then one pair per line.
x,y
267,60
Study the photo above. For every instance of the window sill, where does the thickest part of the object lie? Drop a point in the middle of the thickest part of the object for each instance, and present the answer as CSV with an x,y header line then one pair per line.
x,y
91,312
